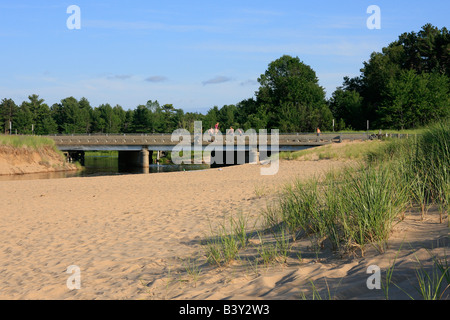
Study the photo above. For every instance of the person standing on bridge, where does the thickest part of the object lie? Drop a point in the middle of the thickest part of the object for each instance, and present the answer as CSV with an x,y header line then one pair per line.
x,y
216,127
318,131
210,133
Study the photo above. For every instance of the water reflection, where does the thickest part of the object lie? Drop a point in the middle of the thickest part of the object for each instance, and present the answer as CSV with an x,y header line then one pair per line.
x,y
37,176
105,166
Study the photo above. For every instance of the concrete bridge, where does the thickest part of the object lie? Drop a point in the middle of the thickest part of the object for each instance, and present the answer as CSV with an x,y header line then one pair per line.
x,y
137,149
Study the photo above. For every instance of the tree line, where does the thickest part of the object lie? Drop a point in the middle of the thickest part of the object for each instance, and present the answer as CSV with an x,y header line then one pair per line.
x,y
407,85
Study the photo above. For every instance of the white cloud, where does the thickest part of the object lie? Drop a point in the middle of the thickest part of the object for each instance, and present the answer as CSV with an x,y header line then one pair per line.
x,y
120,77
249,82
156,79
216,80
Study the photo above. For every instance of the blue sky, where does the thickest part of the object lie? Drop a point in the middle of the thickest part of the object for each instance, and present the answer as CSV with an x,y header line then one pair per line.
x,y
193,54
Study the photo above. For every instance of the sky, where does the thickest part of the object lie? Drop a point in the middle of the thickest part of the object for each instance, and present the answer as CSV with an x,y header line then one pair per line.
x,y
192,54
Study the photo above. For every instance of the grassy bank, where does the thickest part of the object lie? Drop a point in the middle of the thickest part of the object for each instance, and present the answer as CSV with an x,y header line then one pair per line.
x,y
346,151
390,131
17,148
34,142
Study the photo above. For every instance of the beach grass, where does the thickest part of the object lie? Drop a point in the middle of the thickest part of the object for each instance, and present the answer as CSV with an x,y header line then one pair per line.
x,y
226,240
354,211
361,207
431,283
425,166
21,141
377,131
347,151
37,144
355,207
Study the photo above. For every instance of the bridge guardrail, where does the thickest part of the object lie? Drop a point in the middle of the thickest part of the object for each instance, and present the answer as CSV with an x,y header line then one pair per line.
x,y
166,139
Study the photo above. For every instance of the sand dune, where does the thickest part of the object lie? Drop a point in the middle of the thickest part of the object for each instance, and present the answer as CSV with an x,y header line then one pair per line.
x,y
131,236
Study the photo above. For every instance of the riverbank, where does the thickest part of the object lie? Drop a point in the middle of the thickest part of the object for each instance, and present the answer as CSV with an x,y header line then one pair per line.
x,y
25,160
28,154
143,237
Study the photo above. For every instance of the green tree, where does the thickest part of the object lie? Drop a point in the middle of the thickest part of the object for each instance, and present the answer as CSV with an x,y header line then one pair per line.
x,y
291,96
106,119
119,119
189,118
171,118
85,117
257,121
142,120
24,119
391,80
426,51
244,109
48,125
227,117
38,113
58,116
211,118
153,105
8,111
413,100
127,126
70,116
346,105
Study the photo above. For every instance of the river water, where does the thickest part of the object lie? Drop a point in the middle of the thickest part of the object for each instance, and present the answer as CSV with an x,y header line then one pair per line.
x,y
104,166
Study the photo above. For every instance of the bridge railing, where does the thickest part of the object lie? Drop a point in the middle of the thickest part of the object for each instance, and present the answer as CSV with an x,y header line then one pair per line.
x,y
106,134
166,138
344,134
360,135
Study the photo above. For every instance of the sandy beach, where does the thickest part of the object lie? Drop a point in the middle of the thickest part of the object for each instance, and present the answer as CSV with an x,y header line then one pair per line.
x,y
131,235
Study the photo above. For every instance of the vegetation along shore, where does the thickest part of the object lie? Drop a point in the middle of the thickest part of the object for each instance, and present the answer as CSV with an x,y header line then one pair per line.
x,y
31,154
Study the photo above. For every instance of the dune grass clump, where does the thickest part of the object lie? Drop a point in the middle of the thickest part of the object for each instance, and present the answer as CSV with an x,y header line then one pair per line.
x,y
360,205
372,201
433,161
432,283
357,209
425,166
223,245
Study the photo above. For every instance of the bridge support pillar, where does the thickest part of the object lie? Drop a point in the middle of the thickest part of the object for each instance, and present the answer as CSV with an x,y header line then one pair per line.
x,y
253,156
135,159
76,156
230,158
144,158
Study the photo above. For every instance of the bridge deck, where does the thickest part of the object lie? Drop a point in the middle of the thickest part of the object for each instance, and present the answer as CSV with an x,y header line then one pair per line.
x,y
159,140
